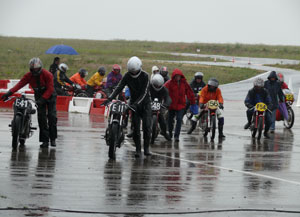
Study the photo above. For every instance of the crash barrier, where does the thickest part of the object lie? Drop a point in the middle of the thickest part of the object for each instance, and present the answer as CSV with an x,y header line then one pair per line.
x,y
9,103
62,103
5,85
80,105
97,108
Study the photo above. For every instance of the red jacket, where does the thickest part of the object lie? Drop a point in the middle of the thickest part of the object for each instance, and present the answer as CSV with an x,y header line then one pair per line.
x,y
284,85
179,91
46,81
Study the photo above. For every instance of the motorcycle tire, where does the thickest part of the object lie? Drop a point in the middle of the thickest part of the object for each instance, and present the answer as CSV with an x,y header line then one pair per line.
x,y
260,127
204,122
289,123
154,128
16,127
113,142
82,94
213,127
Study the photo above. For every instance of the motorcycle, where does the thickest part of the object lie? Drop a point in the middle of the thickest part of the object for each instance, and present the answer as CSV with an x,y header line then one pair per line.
x,y
289,100
208,117
21,125
114,134
258,119
75,90
155,106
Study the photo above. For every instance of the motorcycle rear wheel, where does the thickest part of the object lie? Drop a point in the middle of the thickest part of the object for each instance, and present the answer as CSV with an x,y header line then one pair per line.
x,y
16,126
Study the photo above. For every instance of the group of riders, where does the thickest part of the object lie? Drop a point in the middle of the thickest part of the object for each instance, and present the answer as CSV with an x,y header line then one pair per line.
x,y
175,94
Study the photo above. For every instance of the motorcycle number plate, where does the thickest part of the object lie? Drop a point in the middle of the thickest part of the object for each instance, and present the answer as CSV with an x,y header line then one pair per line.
x,y
155,106
212,104
261,107
117,108
289,97
21,103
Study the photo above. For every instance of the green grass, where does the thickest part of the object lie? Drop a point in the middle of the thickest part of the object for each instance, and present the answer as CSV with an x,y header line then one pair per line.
x,y
15,53
287,66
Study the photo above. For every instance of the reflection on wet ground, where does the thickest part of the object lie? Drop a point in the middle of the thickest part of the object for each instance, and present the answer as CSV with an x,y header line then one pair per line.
x,y
193,175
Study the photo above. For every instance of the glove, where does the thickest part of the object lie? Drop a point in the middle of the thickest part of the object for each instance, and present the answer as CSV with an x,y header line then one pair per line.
x,y
5,96
249,106
41,101
221,106
194,109
106,102
202,105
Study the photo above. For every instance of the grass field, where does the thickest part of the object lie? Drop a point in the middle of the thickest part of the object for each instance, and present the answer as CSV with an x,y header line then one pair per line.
x,y
289,66
16,52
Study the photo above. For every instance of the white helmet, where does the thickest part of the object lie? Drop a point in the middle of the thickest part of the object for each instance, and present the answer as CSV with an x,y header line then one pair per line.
x,y
35,65
63,67
134,66
157,82
258,82
155,69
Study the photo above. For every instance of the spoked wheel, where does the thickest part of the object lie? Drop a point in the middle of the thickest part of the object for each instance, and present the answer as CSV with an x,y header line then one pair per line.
x,y
16,126
213,127
113,141
154,129
260,127
291,118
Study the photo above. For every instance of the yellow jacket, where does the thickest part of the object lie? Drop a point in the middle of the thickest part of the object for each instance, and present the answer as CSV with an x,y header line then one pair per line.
x,y
95,80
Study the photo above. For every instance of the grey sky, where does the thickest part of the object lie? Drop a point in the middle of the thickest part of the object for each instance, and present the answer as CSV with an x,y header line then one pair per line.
x,y
222,21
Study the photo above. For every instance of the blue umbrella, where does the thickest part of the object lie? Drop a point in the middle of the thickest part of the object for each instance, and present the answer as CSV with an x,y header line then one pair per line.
x,y
61,49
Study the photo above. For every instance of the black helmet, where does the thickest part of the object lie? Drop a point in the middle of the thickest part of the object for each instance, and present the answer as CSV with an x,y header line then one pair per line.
x,y
83,72
102,70
164,71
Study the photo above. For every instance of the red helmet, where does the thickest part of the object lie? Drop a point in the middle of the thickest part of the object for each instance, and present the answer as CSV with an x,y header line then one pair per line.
x,y
280,77
116,68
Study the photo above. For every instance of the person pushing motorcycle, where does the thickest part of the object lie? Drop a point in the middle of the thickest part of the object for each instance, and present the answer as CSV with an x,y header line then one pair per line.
x,y
210,92
138,82
41,81
255,95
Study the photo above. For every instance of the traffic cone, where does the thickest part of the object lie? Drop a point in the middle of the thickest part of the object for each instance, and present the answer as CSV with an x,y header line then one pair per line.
x,y
233,59
249,63
215,60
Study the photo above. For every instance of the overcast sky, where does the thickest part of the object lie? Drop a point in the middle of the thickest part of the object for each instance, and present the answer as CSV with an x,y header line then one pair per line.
x,y
221,21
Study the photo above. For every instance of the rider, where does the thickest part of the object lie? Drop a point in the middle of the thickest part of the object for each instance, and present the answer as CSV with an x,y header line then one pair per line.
x,y
138,82
157,90
78,78
210,92
255,95
164,72
60,80
281,81
155,70
276,94
95,80
179,89
113,79
41,81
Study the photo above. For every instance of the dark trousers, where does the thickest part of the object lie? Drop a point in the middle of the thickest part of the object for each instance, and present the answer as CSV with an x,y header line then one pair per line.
x,y
179,116
143,113
162,123
47,120
267,118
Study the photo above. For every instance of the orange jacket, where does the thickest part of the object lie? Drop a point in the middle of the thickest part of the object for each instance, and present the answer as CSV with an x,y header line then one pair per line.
x,y
205,95
76,78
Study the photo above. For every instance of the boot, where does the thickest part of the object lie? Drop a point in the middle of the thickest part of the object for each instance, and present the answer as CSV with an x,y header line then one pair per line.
x,y
166,135
44,145
130,135
221,135
146,148
194,124
53,143
138,149
266,135
247,125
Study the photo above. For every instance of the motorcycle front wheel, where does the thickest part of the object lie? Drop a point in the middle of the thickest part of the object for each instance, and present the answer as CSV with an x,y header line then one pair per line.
x,y
154,128
16,127
213,127
260,127
291,118
113,141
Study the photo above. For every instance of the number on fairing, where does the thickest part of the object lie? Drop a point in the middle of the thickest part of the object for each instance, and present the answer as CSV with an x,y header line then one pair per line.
x,y
20,103
155,106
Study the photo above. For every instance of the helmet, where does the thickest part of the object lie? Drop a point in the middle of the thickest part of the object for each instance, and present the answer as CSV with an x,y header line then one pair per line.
x,y
35,66
155,70
157,82
116,69
198,75
213,82
164,71
258,82
63,67
280,77
102,70
83,72
134,66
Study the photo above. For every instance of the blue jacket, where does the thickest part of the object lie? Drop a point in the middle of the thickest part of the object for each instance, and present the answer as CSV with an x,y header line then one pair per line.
x,y
274,89
254,97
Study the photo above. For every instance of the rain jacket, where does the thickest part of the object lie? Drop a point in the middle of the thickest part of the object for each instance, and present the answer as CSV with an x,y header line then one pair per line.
x,y
284,86
274,89
162,95
254,97
60,78
46,89
53,68
179,91
206,95
95,80
197,87
113,79
77,79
